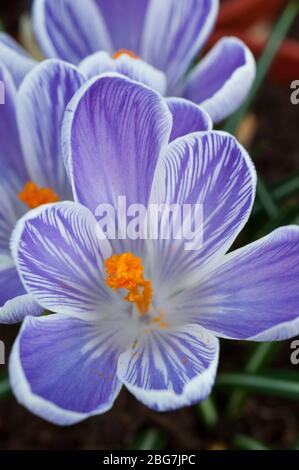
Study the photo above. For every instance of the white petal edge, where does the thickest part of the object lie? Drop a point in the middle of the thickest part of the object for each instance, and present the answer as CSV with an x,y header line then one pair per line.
x,y
40,29
282,331
16,309
243,75
196,390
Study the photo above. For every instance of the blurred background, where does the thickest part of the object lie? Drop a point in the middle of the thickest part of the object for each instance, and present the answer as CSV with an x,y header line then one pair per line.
x,y
255,403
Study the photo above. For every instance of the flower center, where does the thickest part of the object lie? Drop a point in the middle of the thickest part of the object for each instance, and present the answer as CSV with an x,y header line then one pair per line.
x,y
125,271
121,52
34,196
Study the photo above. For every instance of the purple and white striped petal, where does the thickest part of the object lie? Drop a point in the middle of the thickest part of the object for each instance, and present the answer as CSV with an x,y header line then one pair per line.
x,y
17,308
95,64
212,176
125,22
169,369
60,259
101,62
15,58
10,151
113,134
15,304
11,208
253,294
67,30
64,369
222,80
187,118
183,29
41,103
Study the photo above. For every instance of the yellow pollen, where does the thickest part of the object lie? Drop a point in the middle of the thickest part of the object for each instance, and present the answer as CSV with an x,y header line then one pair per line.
x,y
34,196
121,52
125,271
159,320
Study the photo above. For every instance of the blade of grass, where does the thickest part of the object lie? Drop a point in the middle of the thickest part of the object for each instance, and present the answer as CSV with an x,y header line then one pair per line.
x,y
207,412
280,191
150,439
260,384
266,199
295,445
260,358
243,442
278,34
288,215
4,387
283,374
286,188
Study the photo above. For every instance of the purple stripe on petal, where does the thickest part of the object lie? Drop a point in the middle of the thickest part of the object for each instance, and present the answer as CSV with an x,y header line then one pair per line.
x,y
42,101
10,283
10,151
113,134
125,22
15,58
187,118
253,293
169,369
69,30
174,33
223,79
213,171
64,369
60,259
11,208
15,304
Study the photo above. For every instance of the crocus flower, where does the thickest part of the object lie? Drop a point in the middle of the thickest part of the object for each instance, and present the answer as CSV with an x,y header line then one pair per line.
x,y
167,34
32,169
144,314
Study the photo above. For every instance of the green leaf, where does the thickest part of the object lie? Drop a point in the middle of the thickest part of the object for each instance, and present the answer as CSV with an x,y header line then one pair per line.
x,y
262,355
207,412
279,33
243,442
150,439
288,215
289,375
284,388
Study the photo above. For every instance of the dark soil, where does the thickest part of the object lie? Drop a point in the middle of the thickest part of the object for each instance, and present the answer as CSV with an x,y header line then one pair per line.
x,y
276,145
274,421
10,11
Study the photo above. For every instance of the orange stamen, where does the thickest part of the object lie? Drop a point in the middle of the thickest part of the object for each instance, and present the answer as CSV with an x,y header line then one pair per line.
x,y
121,52
125,271
34,196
